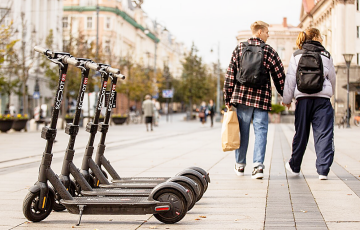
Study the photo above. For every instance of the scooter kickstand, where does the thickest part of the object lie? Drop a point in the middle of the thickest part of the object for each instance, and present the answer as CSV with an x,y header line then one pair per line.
x,y
81,209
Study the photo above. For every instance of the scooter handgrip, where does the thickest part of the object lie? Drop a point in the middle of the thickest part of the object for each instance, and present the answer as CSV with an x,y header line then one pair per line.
x,y
40,49
93,66
71,61
112,70
120,76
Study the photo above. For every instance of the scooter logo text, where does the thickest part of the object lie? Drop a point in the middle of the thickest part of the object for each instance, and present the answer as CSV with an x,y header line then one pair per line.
x,y
82,93
60,93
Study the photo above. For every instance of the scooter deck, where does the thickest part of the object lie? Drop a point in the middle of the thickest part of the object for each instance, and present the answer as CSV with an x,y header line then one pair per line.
x,y
141,185
114,205
140,179
117,192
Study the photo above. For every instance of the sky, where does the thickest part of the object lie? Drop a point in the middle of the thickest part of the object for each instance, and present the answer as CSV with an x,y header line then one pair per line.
x,y
208,23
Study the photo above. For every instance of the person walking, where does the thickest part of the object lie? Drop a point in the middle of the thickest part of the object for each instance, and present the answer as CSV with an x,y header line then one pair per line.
x,y
247,86
211,109
312,91
148,108
202,112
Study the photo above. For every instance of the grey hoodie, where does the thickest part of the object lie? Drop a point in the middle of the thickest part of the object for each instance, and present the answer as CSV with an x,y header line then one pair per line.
x,y
290,88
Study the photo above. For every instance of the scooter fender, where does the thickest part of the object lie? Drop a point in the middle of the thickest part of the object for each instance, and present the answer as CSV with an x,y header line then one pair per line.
x,y
172,185
194,173
43,189
188,181
202,171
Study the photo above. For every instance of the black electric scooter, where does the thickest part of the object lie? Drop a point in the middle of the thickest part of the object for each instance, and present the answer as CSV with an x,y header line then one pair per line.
x,y
168,201
98,177
80,186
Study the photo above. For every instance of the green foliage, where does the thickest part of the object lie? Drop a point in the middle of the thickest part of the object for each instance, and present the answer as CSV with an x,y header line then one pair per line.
x,y
276,108
50,69
195,85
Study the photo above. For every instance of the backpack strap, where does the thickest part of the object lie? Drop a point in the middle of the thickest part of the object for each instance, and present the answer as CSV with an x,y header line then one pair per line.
x,y
298,52
325,54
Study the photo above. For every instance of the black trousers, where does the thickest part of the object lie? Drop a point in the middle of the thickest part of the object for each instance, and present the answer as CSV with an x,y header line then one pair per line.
x,y
318,113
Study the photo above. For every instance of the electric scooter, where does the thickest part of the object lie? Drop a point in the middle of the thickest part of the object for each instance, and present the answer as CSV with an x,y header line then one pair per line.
x,y
80,184
168,201
98,178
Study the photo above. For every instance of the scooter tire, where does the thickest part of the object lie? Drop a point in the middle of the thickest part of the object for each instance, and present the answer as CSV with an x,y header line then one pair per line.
x,y
30,209
178,205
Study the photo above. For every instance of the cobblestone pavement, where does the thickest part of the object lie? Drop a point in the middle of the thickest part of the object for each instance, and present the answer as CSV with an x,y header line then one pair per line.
x,y
279,201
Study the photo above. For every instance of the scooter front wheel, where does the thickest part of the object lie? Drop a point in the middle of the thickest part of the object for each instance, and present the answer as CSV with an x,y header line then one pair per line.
x,y
31,206
357,122
178,205
58,207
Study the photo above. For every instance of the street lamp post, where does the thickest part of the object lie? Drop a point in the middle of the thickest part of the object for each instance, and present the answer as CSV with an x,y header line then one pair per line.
x,y
348,58
218,86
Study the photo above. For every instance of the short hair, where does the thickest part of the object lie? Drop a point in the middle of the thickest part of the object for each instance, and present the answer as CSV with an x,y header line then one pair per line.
x,y
258,25
147,97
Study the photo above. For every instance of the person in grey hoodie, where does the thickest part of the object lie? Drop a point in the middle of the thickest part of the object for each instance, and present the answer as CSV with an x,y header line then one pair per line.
x,y
312,109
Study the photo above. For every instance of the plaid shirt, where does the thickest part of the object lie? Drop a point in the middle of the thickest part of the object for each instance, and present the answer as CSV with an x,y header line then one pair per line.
x,y
234,93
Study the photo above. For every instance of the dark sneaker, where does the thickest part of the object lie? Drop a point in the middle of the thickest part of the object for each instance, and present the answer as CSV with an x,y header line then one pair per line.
x,y
239,170
258,172
287,166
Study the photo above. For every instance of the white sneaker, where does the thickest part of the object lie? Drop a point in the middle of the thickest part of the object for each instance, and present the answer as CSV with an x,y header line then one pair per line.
x,y
239,170
322,177
287,166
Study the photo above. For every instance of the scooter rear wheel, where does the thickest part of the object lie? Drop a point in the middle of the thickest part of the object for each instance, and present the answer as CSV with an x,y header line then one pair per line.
x,y
201,186
357,122
191,192
178,205
30,206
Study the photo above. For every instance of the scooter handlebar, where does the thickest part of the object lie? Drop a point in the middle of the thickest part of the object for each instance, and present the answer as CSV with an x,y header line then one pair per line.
x,y
93,66
120,76
40,49
71,61
112,70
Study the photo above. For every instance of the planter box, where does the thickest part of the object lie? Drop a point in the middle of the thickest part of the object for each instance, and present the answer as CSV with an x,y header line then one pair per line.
x,y
5,125
18,125
119,120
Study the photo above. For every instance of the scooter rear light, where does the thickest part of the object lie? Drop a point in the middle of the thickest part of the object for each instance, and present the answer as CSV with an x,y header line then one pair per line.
x,y
162,208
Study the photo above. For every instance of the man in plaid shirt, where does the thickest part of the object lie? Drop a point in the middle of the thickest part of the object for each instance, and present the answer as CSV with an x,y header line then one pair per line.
x,y
253,103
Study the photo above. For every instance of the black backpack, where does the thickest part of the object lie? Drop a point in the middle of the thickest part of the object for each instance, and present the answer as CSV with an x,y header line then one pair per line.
x,y
252,71
310,72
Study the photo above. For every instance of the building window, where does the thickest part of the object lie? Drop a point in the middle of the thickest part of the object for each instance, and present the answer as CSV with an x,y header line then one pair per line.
x,y
358,31
357,101
107,47
358,59
89,23
108,23
65,22
357,5
4,13
281,52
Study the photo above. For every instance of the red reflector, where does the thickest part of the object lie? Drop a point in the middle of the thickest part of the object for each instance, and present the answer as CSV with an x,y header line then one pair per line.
x,y
162,208
187,190
177,213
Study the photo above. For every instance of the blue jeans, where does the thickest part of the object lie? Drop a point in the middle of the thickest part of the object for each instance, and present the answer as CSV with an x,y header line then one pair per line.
x,y
260,123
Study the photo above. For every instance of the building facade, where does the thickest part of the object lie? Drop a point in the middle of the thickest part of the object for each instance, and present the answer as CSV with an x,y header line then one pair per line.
x,y
339,23
125,32
32,22
282,37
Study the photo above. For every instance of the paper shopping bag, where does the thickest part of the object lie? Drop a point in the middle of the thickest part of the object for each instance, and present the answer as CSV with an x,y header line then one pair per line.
x,y
230,132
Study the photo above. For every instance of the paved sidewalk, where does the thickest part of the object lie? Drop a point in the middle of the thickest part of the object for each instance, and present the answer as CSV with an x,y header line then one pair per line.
x,y
279,201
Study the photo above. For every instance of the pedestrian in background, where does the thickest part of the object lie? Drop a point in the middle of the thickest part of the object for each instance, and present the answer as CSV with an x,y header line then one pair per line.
x,y
247,86
202,112
156,112
312,91
211,109
148,109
